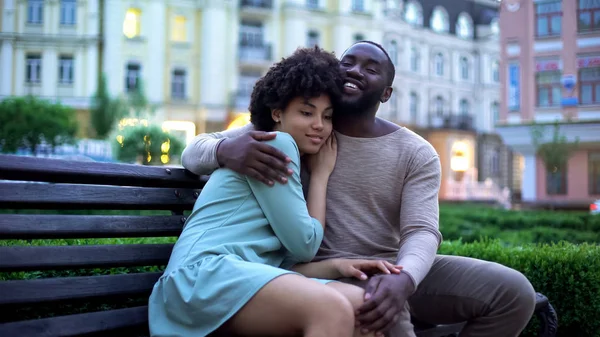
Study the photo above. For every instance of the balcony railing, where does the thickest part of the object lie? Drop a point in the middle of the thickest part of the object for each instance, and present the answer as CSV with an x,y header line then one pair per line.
x,y
255,53
477,191
452,121
257,3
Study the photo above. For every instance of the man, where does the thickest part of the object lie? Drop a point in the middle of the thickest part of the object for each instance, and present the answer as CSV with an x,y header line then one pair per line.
x,y
382,202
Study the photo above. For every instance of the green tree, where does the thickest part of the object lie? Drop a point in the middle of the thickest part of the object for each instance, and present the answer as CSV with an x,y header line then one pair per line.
x,y
105,112
554,153
29,121
148,145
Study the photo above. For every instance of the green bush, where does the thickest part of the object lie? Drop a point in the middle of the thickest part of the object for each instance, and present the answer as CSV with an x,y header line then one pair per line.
x,y
471,223
569,275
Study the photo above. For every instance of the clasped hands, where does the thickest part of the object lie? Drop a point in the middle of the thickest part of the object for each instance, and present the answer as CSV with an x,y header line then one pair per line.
x,y
386,292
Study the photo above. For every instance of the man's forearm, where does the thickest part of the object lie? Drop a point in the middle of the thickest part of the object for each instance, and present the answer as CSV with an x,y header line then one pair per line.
x,y
200,155
417,254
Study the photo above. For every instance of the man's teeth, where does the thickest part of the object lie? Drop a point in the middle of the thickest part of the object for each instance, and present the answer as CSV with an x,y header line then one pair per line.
x,y
350,85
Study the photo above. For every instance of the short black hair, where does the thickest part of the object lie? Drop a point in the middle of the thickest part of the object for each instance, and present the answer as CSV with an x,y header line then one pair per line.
x,y
390,65
308,72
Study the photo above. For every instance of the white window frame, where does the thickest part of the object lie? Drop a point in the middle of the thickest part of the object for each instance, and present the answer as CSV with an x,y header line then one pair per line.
x,y
66,69
68,12
35,12
132,76
33,67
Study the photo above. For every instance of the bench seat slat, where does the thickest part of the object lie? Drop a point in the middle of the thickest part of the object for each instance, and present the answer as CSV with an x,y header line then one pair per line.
x,y
69,196
71,288
80,324
23,258
33,226
67,171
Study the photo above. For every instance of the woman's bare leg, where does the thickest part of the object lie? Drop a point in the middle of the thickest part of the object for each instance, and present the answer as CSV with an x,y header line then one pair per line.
x,y
356,296
293,305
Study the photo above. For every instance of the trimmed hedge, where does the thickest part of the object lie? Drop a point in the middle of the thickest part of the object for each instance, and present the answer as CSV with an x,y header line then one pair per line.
x,y
472,223
569,275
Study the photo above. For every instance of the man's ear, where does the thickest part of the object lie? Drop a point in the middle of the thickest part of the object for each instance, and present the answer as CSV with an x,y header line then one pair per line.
x,y
276,115
387,93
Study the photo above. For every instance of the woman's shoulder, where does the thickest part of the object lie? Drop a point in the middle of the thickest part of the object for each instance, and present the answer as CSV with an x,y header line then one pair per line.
x,y
285,142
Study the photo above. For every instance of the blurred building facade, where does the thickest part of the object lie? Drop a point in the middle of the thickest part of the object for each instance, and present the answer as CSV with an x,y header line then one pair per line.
x,y
447,88
550,71
197,62
50,49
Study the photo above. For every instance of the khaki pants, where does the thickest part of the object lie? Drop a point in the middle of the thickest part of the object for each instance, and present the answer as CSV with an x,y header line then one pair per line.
x,y
494,300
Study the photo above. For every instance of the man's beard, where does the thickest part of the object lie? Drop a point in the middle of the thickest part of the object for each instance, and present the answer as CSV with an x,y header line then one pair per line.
x,y
358,106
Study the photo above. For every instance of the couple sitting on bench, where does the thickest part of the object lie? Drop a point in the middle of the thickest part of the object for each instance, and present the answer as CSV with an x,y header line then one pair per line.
x,y
353,255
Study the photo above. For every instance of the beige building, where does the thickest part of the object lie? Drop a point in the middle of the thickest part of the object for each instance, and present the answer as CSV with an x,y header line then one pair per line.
x,y
50,49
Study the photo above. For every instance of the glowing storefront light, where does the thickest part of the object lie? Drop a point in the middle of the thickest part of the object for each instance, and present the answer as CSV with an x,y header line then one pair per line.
x,y
239,121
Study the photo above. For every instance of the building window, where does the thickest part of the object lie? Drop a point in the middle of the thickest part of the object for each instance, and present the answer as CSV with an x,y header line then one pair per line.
x,y
413,107
358,5
464,68
556,181
439,20
132,23
495,162
415,59
439,106
251,34
594,173
495,112
464,26
312,4
464,108
33,68
35,11
393,52
179,33
548,88
68,12
178,84
65,69
589,86
413,13
589,15
439,64
132,76
359,37
548,18
496,72
312,38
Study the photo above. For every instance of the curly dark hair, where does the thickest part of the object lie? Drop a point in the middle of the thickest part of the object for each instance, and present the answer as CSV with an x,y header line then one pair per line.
x,y
308,72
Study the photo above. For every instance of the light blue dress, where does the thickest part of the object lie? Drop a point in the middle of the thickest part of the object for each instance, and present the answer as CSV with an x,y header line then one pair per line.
x,y
238,235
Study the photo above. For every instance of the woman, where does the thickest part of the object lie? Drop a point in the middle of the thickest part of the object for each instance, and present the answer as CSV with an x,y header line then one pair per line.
x,y
225,274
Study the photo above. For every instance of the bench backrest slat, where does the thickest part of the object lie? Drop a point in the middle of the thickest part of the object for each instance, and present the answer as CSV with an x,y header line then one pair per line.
x,y
18,258
33,226
82,287
69,196
81,324
28,183
66,171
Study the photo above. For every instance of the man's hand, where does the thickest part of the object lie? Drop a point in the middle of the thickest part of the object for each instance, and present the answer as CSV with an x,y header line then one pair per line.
x,y
248,155
385,296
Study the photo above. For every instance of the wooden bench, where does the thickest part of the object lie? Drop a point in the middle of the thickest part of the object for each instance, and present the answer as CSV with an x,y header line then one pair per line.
x,y
76,287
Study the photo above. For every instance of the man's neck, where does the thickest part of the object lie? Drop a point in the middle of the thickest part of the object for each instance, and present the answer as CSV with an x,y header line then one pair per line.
x,y
365,126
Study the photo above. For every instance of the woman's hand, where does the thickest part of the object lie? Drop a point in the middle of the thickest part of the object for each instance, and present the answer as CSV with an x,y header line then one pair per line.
x,y
323,161
362,269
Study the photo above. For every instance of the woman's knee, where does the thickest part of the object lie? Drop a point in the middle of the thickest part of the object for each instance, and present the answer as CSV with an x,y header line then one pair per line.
x,y
335,305
354,294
